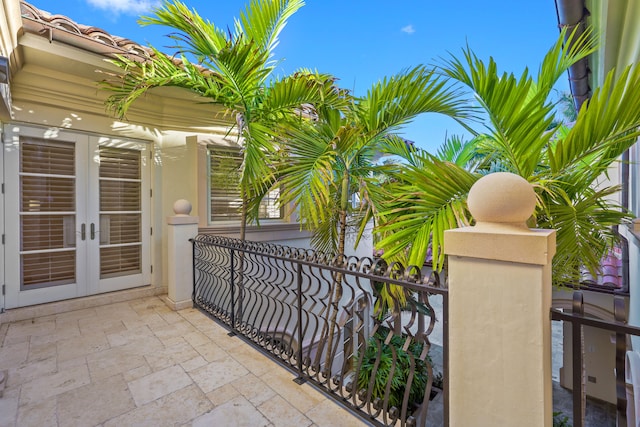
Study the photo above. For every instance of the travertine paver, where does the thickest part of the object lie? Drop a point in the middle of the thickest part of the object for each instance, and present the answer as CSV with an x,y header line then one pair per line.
x,y
223,394
13,355
254,361
114,361
62,331
38,352
283,414
217,374
176,408
30,371
128,336
327,415
159,384
195,363
211,352
82,345
253,389
54,384
301,397
237,412
9,407
139,363
41,414
20,330
95,403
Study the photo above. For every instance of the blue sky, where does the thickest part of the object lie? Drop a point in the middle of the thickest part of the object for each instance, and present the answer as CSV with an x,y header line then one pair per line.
x,y
362,41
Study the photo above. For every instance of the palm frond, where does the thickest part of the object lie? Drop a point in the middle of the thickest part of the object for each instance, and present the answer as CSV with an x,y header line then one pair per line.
x,y
605,127
584,226
197,36
517,120
293,92
308,174
395,101
430,200
324,235
263,20
462,153
257,169
569,48
138,77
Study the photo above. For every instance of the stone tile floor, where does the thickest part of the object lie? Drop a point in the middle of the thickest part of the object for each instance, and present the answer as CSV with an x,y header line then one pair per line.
x,y
138,363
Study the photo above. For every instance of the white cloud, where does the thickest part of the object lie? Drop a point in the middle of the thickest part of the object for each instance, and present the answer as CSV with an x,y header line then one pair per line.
x,y
131,7
408,29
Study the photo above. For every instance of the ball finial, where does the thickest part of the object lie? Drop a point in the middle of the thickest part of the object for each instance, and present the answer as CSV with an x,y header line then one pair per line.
x,y
502,198
182,207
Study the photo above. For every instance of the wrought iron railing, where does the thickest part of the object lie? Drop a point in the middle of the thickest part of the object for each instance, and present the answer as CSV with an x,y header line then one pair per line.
x,y
357,329
622,330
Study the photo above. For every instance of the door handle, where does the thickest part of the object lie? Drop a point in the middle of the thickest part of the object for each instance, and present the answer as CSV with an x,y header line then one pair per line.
x,y
93,231
83,231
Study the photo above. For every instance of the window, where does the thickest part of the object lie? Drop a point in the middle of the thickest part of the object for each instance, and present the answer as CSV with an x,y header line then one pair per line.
x,y
225,202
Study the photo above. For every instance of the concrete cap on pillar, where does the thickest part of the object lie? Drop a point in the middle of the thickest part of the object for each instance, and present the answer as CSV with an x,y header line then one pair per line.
x,y
502,199
182,207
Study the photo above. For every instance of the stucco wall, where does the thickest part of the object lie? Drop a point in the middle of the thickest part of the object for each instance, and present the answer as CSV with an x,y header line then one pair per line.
x,y
10,24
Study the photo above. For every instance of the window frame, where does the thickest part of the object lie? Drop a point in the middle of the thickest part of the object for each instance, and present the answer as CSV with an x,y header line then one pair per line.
x,y
210,151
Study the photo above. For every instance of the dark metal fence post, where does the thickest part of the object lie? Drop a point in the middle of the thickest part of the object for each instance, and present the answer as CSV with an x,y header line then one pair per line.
x,y
578,364
300,379
193,263
445,356
233,302
620,315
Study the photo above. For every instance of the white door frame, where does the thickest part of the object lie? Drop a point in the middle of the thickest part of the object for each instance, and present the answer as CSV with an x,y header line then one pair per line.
x,y
87,211
3,138
97,285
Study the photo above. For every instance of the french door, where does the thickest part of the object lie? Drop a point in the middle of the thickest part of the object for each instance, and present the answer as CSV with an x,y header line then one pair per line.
x,y
77,215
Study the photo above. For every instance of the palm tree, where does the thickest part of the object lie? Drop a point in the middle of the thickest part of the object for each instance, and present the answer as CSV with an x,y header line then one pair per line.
x,y
330,164
565,170
330,168
234,70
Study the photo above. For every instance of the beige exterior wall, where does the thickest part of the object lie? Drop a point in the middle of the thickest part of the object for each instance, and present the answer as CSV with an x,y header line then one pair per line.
x,y
10,26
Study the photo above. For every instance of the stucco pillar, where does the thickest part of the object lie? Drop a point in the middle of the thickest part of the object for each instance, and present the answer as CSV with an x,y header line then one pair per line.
x,y
499,300
181,228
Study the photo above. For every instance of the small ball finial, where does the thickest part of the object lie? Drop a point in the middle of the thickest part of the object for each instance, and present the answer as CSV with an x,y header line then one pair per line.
x,y
502,198
182,207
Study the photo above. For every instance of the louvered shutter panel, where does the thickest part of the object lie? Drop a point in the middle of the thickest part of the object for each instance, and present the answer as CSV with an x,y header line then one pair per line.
x,y
224,187
120,231
47,212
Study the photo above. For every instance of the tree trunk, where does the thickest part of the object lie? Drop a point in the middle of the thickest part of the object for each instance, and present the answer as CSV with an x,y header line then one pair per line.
x,y
243,216
335,294
240,276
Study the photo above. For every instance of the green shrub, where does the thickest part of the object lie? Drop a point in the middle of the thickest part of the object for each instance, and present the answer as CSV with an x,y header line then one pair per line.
x,y
401,373
560,420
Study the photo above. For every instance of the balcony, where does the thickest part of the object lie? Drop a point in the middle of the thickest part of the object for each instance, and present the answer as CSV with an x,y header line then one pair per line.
x,y
137,362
